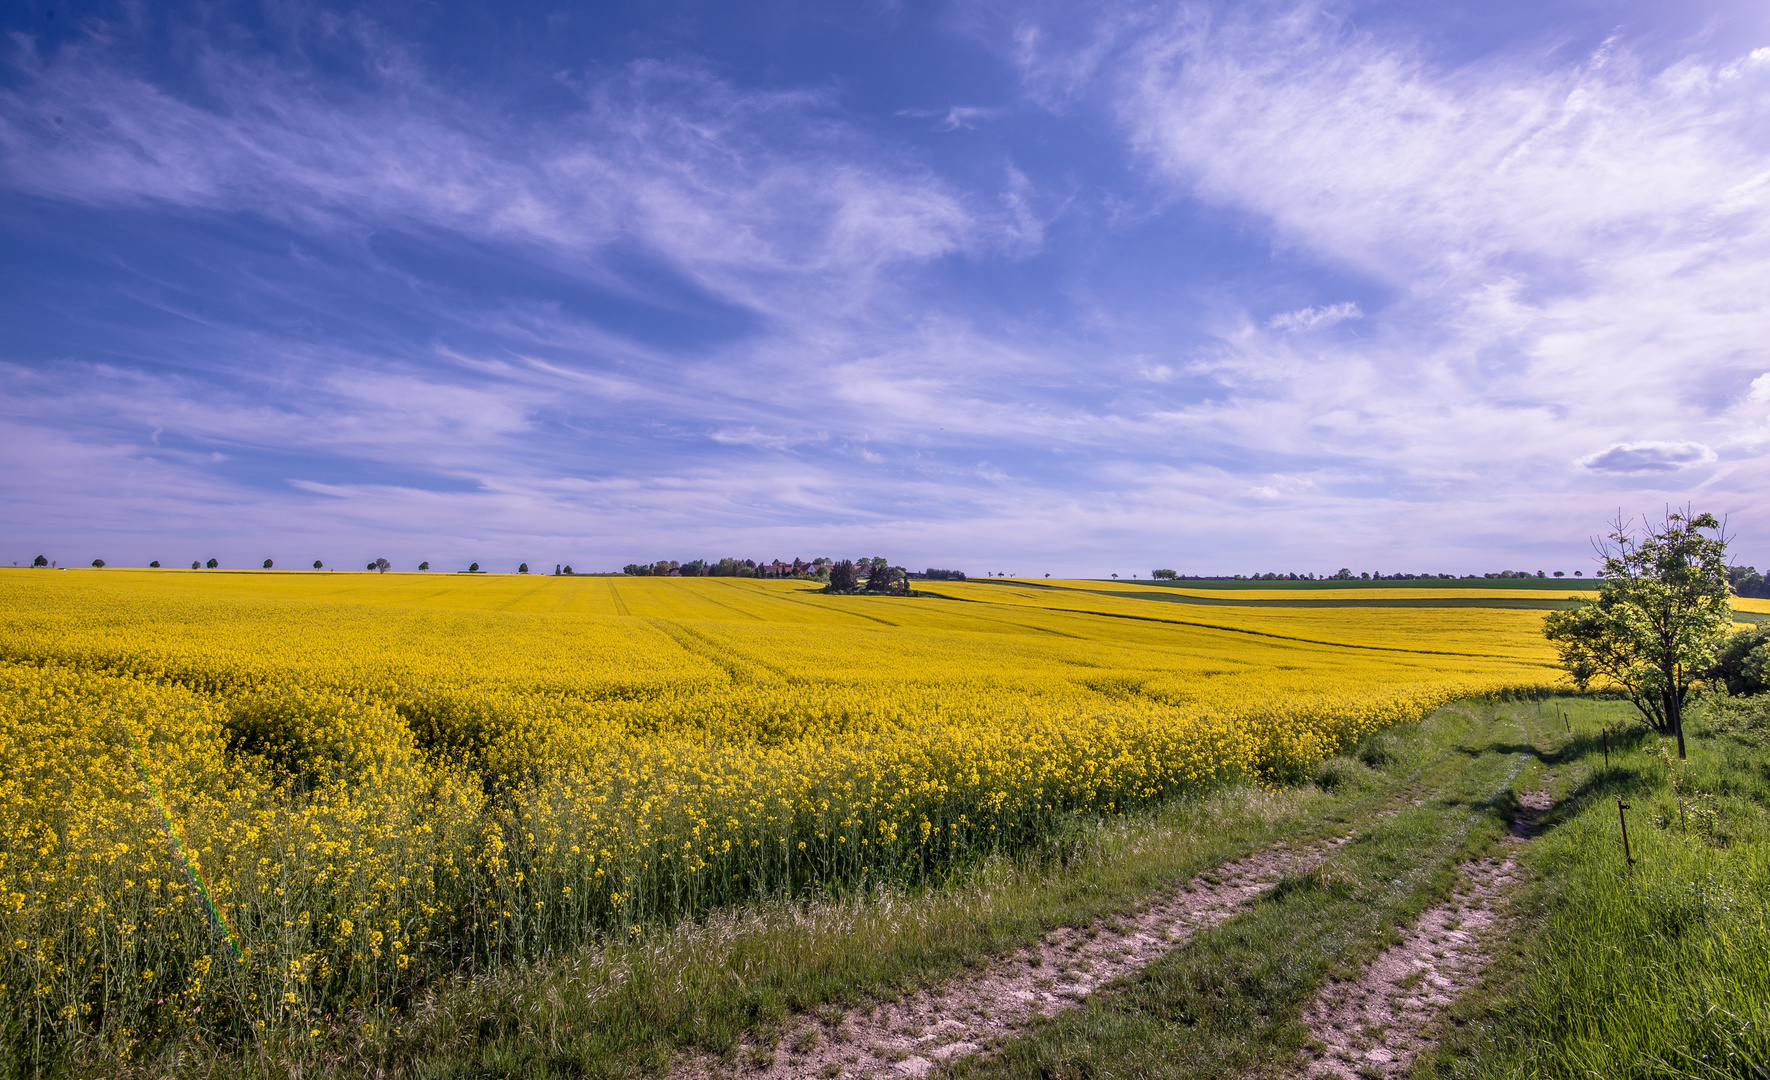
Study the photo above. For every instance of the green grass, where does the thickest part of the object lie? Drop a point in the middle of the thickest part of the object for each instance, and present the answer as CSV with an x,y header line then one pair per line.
x,y
1659,970
1230,1001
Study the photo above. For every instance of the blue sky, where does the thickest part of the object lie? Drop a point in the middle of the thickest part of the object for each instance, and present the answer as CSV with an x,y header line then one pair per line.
x,y
1076,289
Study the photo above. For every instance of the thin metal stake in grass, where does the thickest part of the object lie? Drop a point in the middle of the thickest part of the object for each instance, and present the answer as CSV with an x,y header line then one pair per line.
x,y
1607,748
1622,817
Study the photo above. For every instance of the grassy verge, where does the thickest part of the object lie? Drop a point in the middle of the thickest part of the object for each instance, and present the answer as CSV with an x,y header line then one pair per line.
x,y
1662,969
632,1008
1230,1001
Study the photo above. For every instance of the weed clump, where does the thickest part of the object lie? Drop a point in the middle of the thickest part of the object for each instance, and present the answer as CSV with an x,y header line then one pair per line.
x,y
1337,772
1377,750
1743,719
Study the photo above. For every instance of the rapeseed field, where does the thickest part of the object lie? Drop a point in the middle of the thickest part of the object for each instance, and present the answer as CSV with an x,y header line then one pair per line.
x,y
238,805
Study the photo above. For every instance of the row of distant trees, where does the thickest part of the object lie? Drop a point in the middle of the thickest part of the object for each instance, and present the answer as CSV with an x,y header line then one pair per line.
x,y
1744,580
813,570
729,567
820,569
380,565
1345,574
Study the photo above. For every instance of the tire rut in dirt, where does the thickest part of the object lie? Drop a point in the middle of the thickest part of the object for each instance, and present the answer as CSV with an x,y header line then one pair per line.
x,y
1375,1026
972,1013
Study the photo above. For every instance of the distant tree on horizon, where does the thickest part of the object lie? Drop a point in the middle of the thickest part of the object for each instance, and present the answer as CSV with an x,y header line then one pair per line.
x,y
473,568
212,564
424,565
155,565
523,568
317,565
195,565
40,561
99,563
268,564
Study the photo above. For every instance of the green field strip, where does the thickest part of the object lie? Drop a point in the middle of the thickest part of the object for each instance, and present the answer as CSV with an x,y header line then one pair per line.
x,y
1330,585
1515,602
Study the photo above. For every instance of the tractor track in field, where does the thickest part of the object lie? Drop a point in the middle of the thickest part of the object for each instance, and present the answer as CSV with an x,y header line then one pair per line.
x,y
976,1011
1373,1027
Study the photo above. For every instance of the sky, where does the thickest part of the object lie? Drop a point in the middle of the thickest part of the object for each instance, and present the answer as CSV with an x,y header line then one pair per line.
x,y
1029,288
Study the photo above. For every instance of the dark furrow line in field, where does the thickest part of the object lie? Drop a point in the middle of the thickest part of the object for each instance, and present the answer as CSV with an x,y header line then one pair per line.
x,y
734,607
714,652
1230,629
515,600
820,607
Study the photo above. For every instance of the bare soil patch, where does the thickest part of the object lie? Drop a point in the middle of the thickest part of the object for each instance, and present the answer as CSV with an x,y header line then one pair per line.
x,y
973,1013
1374,1027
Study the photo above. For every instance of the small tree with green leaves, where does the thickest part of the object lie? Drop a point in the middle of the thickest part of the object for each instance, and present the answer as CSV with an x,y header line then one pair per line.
x,y
473,568
1743,662
212,564
424,565
1660,618
41,560
98,564
318,565
268,564
155,565
523,568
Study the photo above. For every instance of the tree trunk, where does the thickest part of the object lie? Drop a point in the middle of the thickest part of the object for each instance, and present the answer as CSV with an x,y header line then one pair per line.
x,y
1674,712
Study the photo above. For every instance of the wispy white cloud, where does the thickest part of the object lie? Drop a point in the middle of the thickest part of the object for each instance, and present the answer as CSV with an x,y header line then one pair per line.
x,y
1568,251
665,155
1546,259
1315,318
955,117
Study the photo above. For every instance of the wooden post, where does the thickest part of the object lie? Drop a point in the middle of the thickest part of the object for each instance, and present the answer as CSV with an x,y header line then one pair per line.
x,y
1620,816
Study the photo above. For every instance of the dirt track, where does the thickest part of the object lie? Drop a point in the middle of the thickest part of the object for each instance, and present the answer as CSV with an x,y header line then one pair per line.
x,y
974,1012
1375,1026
